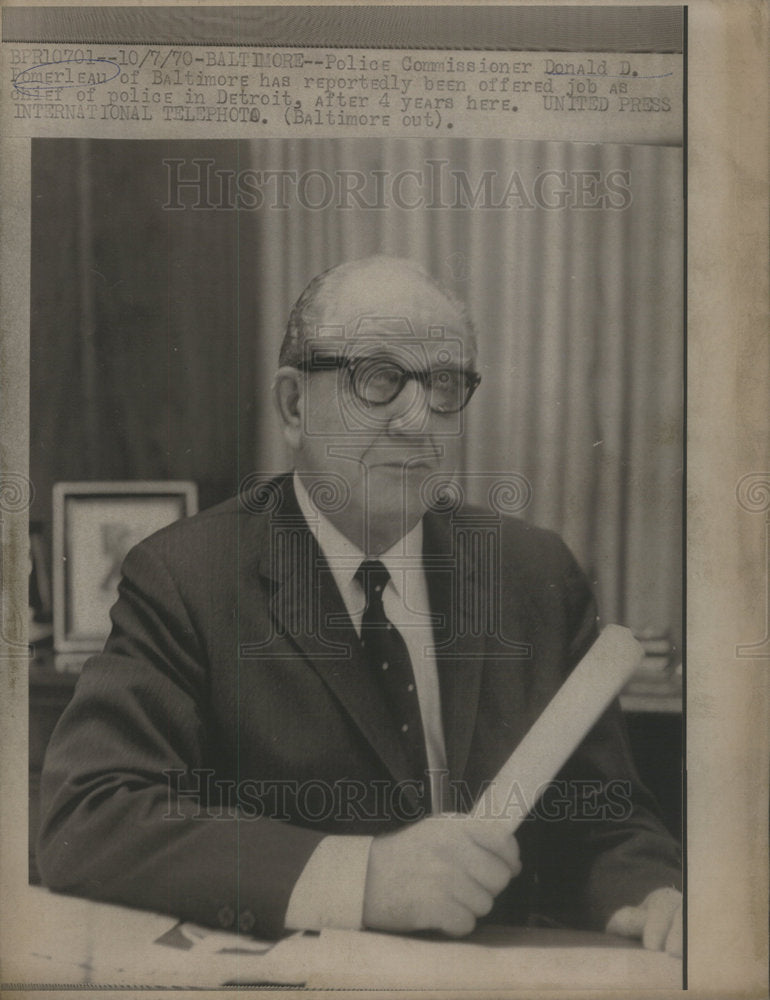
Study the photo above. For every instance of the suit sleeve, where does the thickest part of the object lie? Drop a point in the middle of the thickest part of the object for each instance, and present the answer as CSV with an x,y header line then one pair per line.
x,y
598,837
118,823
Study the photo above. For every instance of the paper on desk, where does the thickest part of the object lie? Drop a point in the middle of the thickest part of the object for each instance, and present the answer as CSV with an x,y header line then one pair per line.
x,y
226,958
363,960
238,960
557,733
64,940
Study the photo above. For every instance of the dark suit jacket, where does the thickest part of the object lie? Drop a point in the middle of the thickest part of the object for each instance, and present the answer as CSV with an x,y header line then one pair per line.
x,y
230,723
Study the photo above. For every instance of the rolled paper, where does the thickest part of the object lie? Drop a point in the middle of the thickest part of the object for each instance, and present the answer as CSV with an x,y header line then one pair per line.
x,y
559,730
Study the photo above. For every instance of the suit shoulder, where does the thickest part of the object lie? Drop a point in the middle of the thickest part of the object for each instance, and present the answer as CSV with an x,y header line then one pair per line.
x,y
218,538
515,533
213,522
532,538
538,555
238,518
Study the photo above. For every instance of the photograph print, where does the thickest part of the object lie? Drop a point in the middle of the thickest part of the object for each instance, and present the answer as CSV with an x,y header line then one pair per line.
x,y
430,394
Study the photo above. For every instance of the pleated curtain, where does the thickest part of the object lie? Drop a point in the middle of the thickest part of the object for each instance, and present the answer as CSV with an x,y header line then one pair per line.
x,y
579,314
155,333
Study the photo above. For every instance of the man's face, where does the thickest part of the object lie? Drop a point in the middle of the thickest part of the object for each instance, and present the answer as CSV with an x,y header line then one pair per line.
x,y
381,435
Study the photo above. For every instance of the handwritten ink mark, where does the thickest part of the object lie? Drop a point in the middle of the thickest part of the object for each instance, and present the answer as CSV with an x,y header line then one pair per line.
x,y
24,84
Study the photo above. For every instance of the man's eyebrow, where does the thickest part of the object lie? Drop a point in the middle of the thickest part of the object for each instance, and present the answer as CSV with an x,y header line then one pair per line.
x,y
411,355
414,364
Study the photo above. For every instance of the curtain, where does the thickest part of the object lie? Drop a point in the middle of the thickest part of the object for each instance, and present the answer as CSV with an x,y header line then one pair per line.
x,y
579,313
155,332
137,371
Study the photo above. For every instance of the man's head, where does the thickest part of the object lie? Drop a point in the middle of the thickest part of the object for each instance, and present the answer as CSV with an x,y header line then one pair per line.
x,y
377,365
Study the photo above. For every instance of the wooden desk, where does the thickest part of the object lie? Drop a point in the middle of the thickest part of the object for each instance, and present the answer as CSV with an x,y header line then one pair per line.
x,y
66,941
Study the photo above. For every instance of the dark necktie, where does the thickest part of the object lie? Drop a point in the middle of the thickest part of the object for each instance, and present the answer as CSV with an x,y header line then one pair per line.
x,y
388,658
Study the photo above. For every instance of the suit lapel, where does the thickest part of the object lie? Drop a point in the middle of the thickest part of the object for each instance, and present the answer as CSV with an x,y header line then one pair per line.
x,y
455,589
308,610
462,577
474,623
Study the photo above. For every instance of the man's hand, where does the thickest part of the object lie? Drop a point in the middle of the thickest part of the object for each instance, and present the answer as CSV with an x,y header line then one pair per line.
x,y
657,921
439,874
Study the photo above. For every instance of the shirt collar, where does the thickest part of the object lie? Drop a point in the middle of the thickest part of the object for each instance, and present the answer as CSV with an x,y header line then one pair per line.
x,y
344,557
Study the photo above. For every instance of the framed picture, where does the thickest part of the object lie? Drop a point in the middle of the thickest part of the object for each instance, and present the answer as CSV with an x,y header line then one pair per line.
x,y
94,526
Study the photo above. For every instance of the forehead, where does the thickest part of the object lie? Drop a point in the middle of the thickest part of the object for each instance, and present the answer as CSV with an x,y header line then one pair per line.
x,y
393,309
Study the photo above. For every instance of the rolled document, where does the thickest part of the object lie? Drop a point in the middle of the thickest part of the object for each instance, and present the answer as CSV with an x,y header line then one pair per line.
x,y
557,733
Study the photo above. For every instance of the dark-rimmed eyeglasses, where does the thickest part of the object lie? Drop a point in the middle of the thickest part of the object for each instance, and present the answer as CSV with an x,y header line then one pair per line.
x,y
376,380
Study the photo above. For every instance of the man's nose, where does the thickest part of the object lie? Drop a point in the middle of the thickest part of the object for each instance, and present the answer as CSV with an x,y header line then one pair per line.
x,y
408,412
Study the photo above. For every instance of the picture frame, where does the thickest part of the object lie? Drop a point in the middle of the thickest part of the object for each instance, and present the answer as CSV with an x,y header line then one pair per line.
x,y
94,526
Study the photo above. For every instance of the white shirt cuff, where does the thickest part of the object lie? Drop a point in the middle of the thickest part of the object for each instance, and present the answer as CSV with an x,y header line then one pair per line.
x,y
330,890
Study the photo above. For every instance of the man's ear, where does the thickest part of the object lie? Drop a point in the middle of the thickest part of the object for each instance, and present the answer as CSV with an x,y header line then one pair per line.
x,y
288,395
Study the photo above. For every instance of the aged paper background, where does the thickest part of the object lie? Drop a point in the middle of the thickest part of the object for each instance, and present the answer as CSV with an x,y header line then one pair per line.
x,y
728,546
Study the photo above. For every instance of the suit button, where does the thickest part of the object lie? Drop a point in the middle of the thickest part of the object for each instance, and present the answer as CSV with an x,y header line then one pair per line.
x,y
247,921
226,916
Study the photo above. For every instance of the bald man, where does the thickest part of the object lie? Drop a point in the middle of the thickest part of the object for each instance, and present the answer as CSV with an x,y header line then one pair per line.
x,y
295,708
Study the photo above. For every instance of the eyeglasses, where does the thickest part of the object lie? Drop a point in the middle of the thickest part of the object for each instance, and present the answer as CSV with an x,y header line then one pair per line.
x,y
377,380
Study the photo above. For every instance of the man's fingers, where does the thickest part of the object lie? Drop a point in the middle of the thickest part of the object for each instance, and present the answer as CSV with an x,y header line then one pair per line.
x,y
495,836
450,868
488,870
457,920
656,927
467,892
658,921
674,939
663,908
628,922
507,851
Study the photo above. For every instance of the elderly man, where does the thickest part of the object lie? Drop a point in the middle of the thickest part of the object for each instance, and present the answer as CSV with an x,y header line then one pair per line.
x,y
307,686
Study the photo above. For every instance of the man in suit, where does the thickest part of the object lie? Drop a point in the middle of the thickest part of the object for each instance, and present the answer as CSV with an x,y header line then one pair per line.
x,y
306,687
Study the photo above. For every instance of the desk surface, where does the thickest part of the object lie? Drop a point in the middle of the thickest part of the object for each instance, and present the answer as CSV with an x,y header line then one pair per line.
x,y
61,940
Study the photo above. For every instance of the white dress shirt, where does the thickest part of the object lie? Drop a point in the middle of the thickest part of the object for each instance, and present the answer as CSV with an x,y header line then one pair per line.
x,y
330,890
